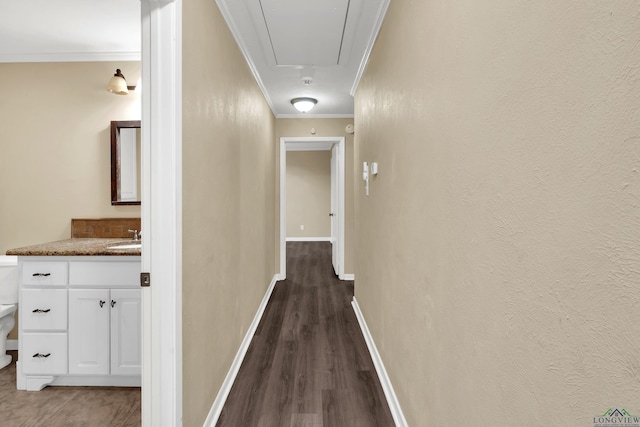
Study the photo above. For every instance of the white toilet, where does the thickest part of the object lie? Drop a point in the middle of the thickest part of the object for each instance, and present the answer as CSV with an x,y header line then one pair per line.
x,y
8,302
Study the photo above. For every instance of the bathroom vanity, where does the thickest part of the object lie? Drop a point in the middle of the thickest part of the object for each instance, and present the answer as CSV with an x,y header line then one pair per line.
x,y
79,314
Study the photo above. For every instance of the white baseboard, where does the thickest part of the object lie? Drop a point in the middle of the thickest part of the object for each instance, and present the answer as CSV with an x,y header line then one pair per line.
x,y
223,393
308,239
348,277
392,400
12,344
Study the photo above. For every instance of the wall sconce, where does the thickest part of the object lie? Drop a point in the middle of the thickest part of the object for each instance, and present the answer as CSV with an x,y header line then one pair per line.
x,y
304,104
118,85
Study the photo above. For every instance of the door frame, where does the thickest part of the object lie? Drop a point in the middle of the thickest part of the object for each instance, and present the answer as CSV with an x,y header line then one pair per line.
x,y
340,142
335,197
161,212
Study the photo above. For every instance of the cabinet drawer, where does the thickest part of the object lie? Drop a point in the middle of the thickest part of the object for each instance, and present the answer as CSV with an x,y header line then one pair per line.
x,y
44,309
105,274
44,273
44,353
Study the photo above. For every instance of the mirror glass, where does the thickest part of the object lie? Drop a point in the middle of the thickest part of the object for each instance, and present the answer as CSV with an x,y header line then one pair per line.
x,y
125,162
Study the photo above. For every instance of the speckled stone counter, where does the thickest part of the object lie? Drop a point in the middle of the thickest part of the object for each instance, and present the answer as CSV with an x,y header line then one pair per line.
x,y
77,247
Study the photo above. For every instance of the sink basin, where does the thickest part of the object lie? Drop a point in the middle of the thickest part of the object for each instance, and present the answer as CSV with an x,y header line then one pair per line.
x,y
126,246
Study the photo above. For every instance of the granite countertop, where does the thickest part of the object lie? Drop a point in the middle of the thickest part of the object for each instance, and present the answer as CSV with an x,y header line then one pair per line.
x,y
77,247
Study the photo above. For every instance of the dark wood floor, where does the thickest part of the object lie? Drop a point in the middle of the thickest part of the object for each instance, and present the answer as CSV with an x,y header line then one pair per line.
x,y
66,406
308,364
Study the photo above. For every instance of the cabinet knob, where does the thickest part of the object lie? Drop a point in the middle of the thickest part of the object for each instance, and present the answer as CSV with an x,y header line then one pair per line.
x,y
113,303
102,303
39,310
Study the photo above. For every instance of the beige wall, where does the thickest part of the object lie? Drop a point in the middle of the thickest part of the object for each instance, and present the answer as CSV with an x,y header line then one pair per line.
x,y
55,159
323,127
228,203
308,193
501,235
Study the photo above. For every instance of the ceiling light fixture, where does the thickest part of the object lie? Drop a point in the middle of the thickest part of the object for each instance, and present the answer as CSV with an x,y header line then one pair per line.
x,y
118,85
304,104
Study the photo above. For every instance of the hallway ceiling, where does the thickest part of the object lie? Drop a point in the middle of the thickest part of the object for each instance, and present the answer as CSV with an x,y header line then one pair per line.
x,y
286,42
289,41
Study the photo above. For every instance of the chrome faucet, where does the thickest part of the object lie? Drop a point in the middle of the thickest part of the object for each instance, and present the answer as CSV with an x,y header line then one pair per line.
x,y
137,235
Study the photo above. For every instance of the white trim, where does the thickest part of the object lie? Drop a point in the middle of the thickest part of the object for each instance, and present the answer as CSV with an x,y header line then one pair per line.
x,y
283,210
70,57
223,393
224,10
340,140
310,146
390,394
161,212
308,239
12,344
372,40
348,277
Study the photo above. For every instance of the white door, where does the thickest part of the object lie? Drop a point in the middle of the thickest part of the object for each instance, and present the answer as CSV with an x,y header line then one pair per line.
x,y
126,336
89,331
335,254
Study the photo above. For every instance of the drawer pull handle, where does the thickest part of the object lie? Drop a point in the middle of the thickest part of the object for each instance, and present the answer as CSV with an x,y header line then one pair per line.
x,y
101,303
41,274
39,310
113,303
42,355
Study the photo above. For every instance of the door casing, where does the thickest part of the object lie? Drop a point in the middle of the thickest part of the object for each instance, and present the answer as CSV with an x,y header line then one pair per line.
x,y
161,128
339,142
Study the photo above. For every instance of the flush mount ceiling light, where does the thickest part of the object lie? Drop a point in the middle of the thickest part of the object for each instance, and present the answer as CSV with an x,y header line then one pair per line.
x,y
118,85
304,104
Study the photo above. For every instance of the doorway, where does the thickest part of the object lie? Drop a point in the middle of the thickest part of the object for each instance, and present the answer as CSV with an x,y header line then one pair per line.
x,y
337,213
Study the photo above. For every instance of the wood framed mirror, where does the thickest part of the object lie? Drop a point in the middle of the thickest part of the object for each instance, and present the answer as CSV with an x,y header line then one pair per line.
x,y
125,162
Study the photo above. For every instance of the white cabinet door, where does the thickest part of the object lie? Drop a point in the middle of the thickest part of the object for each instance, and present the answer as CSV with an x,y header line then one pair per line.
x,y
89,331
126,338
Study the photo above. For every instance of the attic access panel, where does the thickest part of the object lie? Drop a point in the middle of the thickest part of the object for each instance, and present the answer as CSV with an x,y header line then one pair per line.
x,y
305,32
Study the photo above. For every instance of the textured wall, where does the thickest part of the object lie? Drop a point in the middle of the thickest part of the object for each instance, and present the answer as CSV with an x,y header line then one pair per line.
x,y
308,193
323,127
502,233
55,159
228,203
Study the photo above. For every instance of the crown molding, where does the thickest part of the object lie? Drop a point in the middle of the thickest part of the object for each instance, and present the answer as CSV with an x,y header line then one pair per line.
x,y
372,40
226,14
71,57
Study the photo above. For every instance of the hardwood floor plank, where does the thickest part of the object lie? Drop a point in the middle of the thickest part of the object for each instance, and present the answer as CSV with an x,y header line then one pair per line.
x,y
371,398
249,391
307,392
306,420
308,364
278,403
